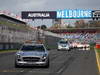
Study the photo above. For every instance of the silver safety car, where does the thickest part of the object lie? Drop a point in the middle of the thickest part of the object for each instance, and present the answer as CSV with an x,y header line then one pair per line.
x,y
32,55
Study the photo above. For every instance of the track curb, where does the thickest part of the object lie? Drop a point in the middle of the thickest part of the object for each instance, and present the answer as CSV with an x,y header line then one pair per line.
x,y
97,60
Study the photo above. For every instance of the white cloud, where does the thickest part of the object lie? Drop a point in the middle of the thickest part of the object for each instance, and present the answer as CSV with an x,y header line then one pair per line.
x,y
16,6
19,5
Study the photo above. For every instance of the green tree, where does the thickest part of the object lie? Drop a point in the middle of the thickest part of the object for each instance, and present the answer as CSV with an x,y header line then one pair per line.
x,y
80,24
43,27
94,23
69,26
38,27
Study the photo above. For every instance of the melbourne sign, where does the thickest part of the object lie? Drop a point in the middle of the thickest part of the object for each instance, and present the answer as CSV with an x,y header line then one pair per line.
x,y
74,14
59,14
38,14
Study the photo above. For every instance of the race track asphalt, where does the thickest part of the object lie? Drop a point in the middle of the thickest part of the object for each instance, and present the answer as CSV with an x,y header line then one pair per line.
x,y
74,62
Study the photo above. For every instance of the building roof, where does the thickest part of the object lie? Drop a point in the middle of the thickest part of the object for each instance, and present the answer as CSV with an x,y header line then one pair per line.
x,y
11,18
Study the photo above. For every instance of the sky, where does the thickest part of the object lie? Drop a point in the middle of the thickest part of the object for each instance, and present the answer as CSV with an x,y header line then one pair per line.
x,y
16,6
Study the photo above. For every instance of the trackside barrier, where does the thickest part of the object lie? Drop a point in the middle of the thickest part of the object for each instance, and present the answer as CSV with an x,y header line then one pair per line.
x,y
98,46
49,39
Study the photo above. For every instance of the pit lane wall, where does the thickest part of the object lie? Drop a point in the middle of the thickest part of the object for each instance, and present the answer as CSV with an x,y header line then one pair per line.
x,y
50,39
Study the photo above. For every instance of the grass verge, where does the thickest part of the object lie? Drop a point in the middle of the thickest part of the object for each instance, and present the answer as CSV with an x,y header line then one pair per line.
x,y
6,51
97,51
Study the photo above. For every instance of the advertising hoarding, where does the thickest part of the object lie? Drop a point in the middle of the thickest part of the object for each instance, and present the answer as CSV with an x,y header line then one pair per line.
x,y
74,14
59,14
38,14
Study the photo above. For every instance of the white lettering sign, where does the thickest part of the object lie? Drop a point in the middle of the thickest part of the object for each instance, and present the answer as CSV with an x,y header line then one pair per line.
x,y
74,14
38,15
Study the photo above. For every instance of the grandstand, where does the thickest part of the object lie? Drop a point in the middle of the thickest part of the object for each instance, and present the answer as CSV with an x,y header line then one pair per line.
x,y
13,32
85,35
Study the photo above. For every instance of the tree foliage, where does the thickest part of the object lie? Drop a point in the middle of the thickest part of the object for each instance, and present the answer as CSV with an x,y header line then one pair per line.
x,y
80,24
94,23
89,24
43,27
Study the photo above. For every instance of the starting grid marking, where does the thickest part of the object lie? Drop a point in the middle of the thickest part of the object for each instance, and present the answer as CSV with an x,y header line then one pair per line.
x,y
35,71
31,71
85,49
